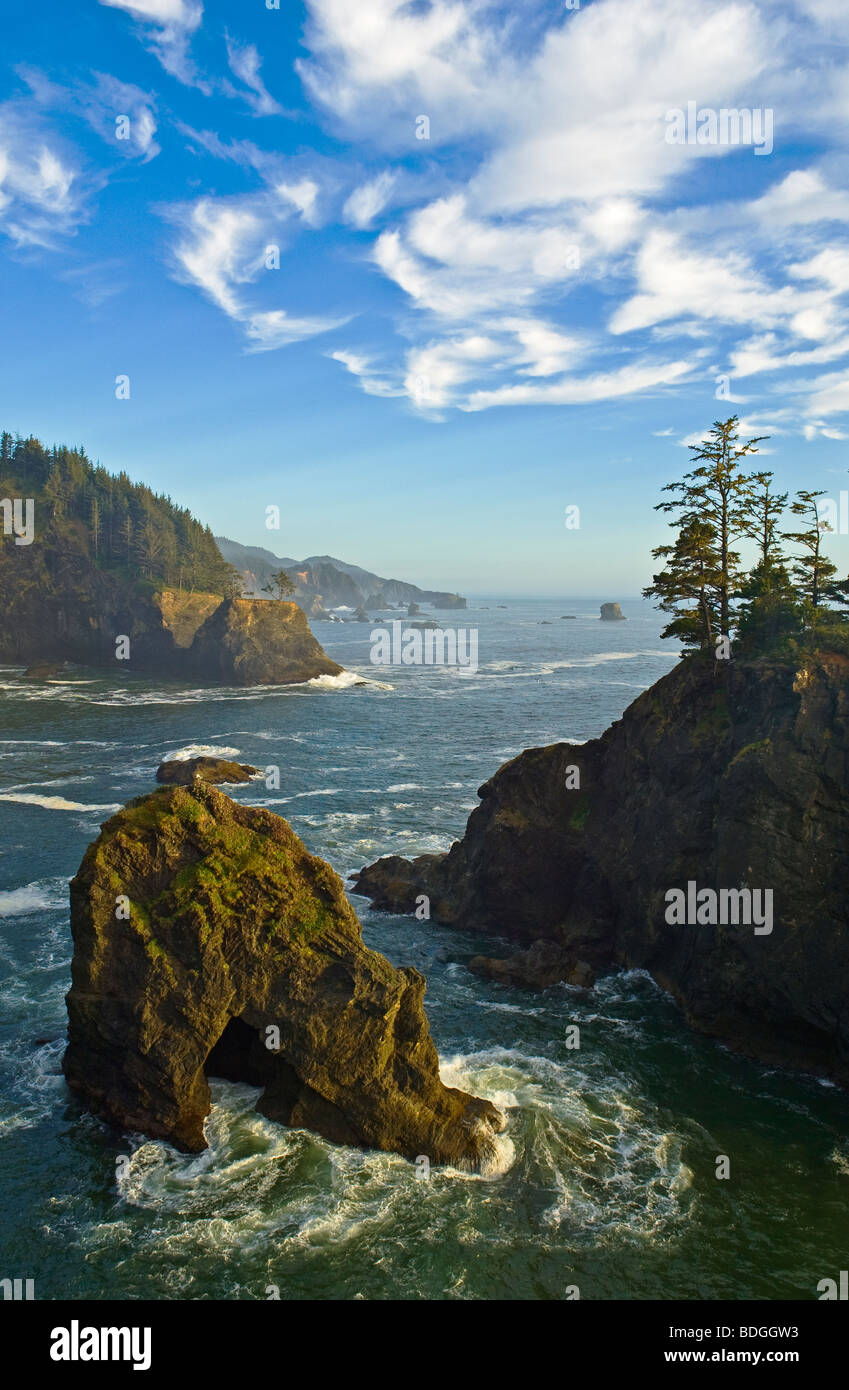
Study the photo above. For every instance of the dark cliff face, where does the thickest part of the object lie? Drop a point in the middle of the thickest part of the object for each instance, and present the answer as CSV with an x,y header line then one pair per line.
x,y
209,942
726,775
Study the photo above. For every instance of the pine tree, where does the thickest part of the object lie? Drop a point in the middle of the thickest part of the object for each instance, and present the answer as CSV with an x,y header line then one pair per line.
x,y
765,509
689,585
95,524
282,583
717,492
712,507
812,570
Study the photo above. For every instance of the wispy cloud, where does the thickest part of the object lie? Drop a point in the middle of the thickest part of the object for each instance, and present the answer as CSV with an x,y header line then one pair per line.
x,y
45,185
225,246
122,114
174,23
245,64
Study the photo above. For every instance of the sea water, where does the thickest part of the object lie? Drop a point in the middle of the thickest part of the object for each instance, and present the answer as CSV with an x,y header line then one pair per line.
x,y
606,1180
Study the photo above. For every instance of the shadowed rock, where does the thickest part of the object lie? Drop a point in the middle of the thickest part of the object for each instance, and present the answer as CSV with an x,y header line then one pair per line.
x,y
726,775
230,936
542,965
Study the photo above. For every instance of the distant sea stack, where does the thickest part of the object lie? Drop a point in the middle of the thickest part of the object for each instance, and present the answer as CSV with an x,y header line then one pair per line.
x,y
724,777
209,942
612,613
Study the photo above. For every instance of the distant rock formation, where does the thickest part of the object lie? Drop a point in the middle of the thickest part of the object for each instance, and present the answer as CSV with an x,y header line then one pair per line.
x,y
724,776
209,942
612,613
181,772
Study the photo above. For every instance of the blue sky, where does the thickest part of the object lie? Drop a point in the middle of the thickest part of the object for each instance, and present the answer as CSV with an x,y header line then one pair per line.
x,y
465,333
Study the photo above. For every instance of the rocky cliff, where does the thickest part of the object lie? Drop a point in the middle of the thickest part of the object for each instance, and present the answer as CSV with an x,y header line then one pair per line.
x,y
723,776
101,571
208,941
203,637
254,642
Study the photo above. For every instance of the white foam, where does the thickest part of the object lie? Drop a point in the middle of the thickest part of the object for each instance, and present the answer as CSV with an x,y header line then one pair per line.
x,y
34,897
199,750
343,681
56,803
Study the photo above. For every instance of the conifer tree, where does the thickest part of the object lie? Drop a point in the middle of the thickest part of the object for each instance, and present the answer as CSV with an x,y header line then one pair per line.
x,y
689,584
812,570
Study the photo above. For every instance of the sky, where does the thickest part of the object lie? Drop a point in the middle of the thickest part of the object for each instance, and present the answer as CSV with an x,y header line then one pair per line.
x,y
424,275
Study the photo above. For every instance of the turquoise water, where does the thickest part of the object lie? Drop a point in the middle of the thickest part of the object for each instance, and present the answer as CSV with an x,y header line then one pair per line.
x,y
606,1178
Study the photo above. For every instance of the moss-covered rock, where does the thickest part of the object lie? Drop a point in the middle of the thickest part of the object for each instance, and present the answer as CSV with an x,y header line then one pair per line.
x,y
183,771
203,932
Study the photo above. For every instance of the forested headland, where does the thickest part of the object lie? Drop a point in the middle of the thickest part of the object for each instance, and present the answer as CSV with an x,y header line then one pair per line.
x,y
123,527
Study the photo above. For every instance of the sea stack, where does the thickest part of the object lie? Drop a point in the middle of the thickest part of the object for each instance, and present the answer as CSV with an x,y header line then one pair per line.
x,y
612,613
209,942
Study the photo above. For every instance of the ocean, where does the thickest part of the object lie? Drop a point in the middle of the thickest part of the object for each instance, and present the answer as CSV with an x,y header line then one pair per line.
x,y
607,1181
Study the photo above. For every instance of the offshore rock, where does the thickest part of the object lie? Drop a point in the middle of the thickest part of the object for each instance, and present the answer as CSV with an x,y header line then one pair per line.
x,y
208,941
542,965
183,771
252,642
612,613
724,774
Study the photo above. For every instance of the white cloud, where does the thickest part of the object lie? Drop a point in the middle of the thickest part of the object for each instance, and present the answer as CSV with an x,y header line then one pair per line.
x,y
368,200
675,281
434,372
368,374
44,186
802,197
245,64
176,21
826,395
543,349
181,12
548,220
223,249
101,104
600,386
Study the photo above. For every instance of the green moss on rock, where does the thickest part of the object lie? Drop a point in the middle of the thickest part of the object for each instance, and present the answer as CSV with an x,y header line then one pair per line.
x,y
235,927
